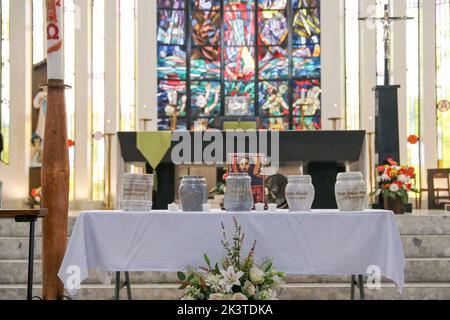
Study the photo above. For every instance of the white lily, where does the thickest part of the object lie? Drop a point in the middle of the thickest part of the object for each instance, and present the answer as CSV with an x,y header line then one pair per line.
x,y
230,278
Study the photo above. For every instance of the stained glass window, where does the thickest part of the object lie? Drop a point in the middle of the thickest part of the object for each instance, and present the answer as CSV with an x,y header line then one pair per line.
x,y
443,80
5,70
257,58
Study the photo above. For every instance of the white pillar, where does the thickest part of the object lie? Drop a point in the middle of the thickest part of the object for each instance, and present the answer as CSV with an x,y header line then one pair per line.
x,y
428,90
146,78
399,75
83,102
15,175
368,67
368,79
112,85
333,66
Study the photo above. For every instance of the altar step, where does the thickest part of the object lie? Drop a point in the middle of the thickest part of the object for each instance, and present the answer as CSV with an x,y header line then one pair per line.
x,y
314,291
418,270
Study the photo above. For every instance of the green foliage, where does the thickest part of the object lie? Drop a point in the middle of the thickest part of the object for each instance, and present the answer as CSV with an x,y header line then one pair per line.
x,y
234,277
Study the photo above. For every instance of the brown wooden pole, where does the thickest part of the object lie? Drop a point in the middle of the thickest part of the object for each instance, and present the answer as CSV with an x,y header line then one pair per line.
x,y
55,188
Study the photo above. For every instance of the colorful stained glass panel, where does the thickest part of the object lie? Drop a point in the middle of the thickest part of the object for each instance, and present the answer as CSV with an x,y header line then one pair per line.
x,y
239,29
203,124
306,123
171,62
171,98
306,61
171,4
297,4
276,124
273,27
205,98
239,63
273,98
171,27
205,63
206,4
273,63
165,124
306,27
272,4
306,98
245,90
206,28
238,5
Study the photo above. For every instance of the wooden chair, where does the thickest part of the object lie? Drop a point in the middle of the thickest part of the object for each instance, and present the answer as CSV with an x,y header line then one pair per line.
x,y
439,188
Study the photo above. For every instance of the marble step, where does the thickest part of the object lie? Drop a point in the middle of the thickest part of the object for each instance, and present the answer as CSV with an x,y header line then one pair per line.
x,y
413,246
329,291
408,225
417,271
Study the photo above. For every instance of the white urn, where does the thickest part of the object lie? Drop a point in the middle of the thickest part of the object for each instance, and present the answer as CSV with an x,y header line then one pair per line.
x,y
351,192
300,193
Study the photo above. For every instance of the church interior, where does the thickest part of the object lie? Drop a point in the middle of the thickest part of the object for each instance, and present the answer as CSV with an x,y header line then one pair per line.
x,y
93,91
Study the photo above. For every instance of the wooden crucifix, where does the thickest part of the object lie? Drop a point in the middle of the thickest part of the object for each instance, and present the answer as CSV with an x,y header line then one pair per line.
x,y
387,21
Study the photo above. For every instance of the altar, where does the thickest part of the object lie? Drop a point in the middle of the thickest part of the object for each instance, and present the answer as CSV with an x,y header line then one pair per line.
x,y
321,154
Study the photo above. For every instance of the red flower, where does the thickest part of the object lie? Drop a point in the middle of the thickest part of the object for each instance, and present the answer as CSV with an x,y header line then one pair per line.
x,y
399,184
392,162
388,172
380,169
70,143
413,139
408,186
411,172
34,193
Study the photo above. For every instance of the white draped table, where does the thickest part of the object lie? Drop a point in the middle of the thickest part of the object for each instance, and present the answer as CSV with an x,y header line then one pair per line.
x,y
323,242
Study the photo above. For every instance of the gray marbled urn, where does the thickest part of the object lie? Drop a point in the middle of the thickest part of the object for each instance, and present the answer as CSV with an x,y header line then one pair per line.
x,y
238,195
193,193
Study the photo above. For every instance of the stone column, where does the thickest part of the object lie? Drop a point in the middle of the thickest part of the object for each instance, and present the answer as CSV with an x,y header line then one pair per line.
x,y
15,174
333,66
146,78
428,88
83,103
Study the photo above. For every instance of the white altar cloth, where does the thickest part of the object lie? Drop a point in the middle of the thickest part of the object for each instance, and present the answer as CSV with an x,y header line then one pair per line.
x,y
323,242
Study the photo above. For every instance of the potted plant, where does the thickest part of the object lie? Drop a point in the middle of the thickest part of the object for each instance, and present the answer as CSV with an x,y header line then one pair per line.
x,y
394,185
35,198
235,277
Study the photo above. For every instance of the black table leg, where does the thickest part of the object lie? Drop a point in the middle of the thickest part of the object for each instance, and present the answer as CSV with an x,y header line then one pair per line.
x,y
362,294
117,286
352,294
127,279
360,284
31,260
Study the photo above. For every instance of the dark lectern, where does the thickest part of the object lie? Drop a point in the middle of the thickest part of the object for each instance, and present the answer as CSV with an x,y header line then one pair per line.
x,y
323,154
386,123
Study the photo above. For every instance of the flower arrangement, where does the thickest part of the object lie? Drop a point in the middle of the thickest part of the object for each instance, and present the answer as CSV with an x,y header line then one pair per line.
x,y
395,181
35,198
235,277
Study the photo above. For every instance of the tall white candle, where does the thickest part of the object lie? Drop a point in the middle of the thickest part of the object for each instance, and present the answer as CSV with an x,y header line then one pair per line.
x,y
55,39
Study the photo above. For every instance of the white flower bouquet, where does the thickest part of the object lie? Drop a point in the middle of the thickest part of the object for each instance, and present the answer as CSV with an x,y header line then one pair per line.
x,y
235,277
